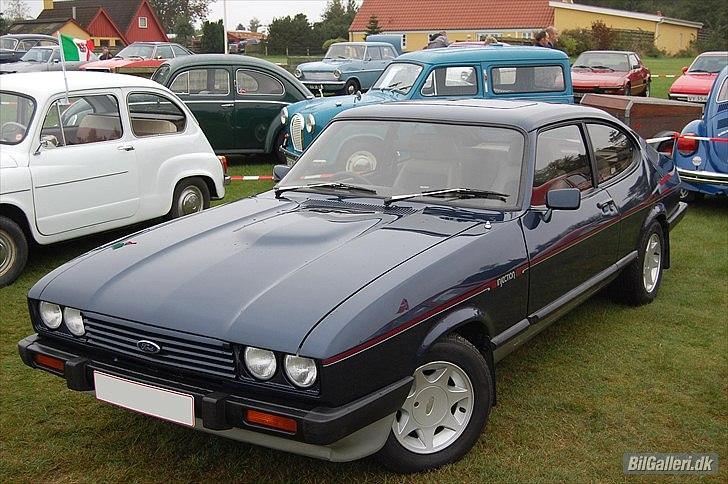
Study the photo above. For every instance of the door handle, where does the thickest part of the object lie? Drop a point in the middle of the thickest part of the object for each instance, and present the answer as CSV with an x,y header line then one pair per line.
x,y
125,148
228,105
605,204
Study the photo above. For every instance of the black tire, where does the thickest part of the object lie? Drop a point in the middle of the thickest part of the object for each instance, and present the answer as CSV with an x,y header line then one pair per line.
x,y
351,87
13,251
455,350
627,90
631,284
646,92
280,138
191,195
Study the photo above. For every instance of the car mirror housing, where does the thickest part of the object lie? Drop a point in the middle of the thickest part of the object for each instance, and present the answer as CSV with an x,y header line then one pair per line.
x,y
684,70
279,171
563,199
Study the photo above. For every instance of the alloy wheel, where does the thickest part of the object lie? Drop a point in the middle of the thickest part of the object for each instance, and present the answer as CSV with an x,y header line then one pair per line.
x,y
652,263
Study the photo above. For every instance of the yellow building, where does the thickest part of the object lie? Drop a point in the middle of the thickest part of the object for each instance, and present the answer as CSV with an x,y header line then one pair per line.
x,y
50,27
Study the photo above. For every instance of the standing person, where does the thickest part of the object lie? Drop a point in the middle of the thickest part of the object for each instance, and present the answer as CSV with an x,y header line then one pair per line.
x,y
553,36
542,39
105,54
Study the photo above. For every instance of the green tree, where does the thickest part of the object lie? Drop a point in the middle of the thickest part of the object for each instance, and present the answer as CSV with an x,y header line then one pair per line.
x,y
373,27
212,37
3,25
183,29
254,24
240,27
336,19
293,34
168,10
16,10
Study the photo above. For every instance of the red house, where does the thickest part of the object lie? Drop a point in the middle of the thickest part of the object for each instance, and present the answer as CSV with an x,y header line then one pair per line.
x,y
110,22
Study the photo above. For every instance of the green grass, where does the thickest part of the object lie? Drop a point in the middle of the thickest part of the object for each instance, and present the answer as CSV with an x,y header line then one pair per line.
x,y
605,380
662,66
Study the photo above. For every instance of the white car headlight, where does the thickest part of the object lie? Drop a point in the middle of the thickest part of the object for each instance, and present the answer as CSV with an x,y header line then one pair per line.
x,y
337,73
260,363
298,73
301,371
310,123
74,321
284,116
50,314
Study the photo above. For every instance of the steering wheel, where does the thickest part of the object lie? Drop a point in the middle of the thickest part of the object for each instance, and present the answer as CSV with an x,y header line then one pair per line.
x,y
17,127
343,175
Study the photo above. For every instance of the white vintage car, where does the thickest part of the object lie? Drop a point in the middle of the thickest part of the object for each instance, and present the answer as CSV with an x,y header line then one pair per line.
x,y
119,150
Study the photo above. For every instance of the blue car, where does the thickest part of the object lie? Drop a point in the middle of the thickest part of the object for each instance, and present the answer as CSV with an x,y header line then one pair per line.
x,y
703,164
358,310
347,67
493,72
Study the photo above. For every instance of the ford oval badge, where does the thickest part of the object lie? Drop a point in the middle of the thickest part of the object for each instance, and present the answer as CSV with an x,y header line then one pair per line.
x,y
148,346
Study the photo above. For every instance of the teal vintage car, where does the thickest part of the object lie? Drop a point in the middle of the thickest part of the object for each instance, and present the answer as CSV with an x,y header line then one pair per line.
x,y
347,67
235,98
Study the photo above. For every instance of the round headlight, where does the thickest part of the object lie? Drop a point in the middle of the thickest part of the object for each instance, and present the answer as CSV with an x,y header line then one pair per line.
x,y
301,371
284,116
298,73
310,123
50,314
74,321
337,73
260,363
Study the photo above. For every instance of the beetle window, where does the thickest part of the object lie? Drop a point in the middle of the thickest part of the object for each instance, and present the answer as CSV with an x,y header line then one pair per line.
x,y
254,82
153,115
202,82
513,80
561,162
83,120
723,93
451,81
613,151
17,113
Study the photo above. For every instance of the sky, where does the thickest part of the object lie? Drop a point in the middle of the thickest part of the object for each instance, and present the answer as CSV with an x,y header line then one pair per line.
x,y
238,11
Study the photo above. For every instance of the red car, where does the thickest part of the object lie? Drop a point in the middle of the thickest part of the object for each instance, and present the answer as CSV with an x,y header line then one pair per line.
x,y
696,81
610,72
139,55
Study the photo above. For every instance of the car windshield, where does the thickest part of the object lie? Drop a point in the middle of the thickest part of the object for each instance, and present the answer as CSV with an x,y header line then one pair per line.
x,y
15,117
709,63
396,158
399,76
37,54
144,51
345,51
602,60
8,43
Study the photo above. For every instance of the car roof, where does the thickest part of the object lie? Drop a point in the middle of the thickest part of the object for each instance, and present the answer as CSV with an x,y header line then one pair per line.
x,y
528,115
31,36
714,52
479,54
608,52
41,85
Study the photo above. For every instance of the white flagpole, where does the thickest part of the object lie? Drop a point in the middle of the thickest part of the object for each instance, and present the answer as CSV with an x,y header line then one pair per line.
x,y
63,65
224,25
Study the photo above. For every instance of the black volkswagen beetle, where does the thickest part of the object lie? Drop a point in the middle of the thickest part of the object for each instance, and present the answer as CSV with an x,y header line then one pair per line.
x,y
361,307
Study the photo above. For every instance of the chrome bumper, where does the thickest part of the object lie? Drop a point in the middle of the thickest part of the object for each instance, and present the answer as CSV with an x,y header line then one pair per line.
x,y
697,176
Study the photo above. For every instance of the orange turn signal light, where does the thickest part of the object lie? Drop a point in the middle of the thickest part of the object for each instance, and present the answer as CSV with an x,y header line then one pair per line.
x,y
49,362
271,421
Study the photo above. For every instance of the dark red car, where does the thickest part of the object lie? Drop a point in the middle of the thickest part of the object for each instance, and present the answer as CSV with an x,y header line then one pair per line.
x,y
610,72
139,55
696,81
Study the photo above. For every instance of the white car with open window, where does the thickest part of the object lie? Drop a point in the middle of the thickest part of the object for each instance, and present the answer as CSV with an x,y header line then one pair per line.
x,y
120,150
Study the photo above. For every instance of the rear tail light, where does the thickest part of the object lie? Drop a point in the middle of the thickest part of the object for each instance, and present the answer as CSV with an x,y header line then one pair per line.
x,y
687,146
49,362
224,163
271,421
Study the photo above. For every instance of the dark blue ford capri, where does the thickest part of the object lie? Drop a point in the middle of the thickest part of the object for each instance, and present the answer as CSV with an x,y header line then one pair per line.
x,y
360,308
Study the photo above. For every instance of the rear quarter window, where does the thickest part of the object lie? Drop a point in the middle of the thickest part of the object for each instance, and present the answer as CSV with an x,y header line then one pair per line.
x,y
527,79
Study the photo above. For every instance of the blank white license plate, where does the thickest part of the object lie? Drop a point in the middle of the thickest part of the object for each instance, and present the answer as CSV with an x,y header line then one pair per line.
x,y
697,99
157,402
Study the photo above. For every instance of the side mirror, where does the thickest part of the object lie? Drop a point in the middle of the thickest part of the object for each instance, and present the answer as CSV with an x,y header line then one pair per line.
x,y
279,171
47,142
684,70
563,199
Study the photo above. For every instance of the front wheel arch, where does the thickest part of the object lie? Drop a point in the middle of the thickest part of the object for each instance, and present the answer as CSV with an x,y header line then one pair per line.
x,y
659,214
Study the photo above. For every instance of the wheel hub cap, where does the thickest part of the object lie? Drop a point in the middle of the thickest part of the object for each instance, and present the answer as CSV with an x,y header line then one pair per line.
x,y
652,262
7,252
190,201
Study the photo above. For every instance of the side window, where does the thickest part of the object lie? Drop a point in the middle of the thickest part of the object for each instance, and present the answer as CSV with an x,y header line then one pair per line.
x,y
164,52
178,51
613,151
153,115
633,61
256,83
25,45
723,93
512,80
388,53
451,81
202,82
561,162
374,53
56,56
84,120
47,43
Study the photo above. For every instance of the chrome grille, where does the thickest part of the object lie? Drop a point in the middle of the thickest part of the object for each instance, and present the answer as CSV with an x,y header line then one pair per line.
x,y
178,350
319,76
297,131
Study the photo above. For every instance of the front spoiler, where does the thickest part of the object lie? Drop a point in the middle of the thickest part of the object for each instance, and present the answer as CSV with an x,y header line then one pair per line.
x,y
221,412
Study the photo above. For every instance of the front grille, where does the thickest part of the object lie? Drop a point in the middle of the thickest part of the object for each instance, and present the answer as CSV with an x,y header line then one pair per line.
x,y
319,76
181,351
297,131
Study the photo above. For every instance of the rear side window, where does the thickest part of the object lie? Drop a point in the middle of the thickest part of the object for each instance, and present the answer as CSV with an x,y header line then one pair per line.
x,y
84,120
513,80
202,82
451,81
154,114
613,152
164,52
723,93
255,82
388,53
561,162
178,51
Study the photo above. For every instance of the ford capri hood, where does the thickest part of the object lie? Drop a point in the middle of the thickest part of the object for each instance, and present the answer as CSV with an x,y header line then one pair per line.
x,y
693,83
603,78
225,273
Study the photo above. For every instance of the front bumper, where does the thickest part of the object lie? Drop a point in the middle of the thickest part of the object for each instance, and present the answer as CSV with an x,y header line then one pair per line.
x,y
324,85
703,177
227,180
692,98
290,155
320,430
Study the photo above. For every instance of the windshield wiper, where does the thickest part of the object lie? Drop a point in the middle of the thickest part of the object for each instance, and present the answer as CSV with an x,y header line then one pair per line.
x,y
699,70
336,185
602,67
451,193
582,66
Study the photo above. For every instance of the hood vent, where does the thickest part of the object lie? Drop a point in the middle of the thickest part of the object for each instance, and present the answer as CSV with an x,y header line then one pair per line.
x,y
339,206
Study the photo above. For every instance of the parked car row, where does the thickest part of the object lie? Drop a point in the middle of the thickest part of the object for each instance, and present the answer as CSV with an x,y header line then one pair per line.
x,y
14,46
42,59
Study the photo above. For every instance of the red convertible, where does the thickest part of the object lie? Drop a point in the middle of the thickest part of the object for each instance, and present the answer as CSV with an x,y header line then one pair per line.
x,y
610,72
696,81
